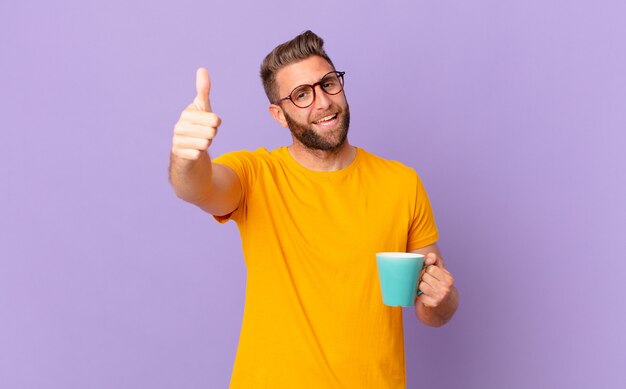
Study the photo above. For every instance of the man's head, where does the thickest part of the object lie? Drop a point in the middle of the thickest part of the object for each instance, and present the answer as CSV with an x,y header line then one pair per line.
x,y
299,48
322,125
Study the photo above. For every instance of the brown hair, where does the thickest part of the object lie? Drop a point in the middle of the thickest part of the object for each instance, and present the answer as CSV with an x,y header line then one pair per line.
x,y
299,48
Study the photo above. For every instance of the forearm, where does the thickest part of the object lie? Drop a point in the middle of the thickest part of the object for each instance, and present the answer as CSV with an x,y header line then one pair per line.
x,y
440,315
191,179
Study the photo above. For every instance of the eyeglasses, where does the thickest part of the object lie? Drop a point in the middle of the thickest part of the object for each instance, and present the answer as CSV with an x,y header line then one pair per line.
x,y
304,95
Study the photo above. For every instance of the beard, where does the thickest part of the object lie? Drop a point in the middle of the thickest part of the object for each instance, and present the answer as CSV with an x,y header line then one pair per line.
x,y
313,140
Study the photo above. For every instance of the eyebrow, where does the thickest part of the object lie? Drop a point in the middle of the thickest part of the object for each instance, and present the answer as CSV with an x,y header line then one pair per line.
x,y
315,82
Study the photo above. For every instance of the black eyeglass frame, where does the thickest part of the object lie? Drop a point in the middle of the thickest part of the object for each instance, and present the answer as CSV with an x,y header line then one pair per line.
x,y
341,81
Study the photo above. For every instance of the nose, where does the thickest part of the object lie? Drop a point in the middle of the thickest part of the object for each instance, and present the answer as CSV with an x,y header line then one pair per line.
x,y
322,100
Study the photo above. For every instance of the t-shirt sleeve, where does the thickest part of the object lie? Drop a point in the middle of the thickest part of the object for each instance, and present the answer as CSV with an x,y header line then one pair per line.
x,y
423,230
244,164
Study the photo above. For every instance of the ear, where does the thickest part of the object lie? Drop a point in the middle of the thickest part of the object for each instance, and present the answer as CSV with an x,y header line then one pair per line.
x,y
277,113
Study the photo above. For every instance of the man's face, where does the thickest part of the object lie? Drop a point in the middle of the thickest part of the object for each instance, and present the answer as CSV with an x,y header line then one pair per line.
x,y
324,124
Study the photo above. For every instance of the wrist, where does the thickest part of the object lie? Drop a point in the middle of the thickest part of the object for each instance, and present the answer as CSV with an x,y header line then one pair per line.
x,y
439,315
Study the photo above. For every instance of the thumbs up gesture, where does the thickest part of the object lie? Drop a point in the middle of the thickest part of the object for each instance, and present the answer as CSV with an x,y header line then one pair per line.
x,y
197,125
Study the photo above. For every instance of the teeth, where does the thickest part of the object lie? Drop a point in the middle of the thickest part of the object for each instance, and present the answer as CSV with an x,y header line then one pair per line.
x,y
326,118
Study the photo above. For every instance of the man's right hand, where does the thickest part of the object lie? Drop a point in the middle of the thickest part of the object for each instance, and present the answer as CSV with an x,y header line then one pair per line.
x,y
197,125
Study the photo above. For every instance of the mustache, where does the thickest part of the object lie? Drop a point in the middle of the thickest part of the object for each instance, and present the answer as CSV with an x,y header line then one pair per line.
x,y
329,112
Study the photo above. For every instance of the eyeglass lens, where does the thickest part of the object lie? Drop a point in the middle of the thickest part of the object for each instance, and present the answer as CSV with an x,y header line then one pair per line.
x,y
304,95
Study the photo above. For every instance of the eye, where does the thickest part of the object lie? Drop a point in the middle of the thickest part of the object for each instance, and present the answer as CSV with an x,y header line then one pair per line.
x,y
330,84
301,94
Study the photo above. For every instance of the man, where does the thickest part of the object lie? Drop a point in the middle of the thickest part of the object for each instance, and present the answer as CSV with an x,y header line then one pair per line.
x,y
311,217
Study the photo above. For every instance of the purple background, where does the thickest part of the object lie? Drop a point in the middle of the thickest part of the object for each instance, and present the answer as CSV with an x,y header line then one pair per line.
x,y
514,114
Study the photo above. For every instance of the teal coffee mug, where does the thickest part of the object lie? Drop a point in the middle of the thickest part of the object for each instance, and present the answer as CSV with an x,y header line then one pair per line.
x,y
398,273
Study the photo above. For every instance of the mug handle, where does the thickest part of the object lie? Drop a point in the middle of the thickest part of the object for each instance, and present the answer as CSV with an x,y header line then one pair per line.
x,y
419,292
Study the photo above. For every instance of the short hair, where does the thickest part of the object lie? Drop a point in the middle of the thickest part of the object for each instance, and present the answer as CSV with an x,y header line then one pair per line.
x,y
299,48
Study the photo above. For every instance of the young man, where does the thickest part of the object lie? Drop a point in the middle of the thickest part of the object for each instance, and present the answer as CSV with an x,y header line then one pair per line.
x,y
311,217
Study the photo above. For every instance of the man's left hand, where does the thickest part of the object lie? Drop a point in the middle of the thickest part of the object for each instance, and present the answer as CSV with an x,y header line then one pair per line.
x,y
436,283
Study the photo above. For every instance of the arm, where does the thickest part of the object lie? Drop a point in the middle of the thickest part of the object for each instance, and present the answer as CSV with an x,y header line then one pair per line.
x,y
440,299
213,187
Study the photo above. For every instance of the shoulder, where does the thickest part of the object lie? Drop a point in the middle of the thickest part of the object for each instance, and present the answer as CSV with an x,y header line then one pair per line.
x,y
383,166
252,163
245,154
246,157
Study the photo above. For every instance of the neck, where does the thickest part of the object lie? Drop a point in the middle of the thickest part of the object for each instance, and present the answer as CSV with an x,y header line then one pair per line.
x,y
323,161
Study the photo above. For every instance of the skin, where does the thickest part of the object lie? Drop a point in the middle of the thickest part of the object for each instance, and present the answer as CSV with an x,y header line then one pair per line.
x,y
216,189
440,298
212,187
310,71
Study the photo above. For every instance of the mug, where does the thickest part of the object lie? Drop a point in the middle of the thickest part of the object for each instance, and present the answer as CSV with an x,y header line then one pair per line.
x,y
398,273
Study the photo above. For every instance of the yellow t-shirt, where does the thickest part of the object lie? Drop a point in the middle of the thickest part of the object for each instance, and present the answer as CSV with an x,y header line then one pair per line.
x,y
314,316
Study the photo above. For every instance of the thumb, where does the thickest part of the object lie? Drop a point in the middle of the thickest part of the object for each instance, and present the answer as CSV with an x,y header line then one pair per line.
x,y
430,259
203,88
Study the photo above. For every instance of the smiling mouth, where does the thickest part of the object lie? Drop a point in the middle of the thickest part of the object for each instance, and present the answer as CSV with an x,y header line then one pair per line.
x,y
326,119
